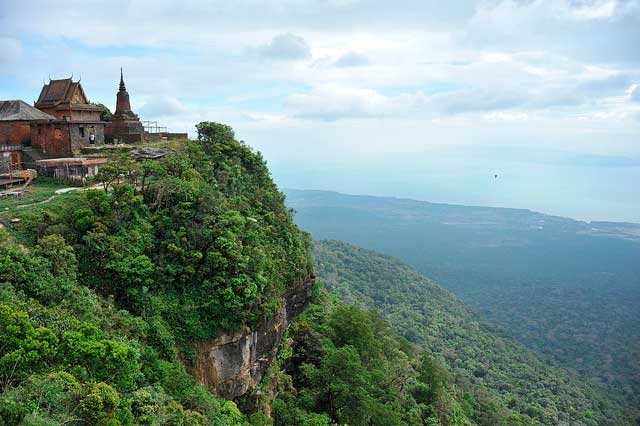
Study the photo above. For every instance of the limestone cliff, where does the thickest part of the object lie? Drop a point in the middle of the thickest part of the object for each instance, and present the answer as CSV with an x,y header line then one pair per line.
x,y
230,365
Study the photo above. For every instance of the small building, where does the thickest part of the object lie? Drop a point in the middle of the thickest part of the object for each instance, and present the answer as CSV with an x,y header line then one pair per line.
x,y
77,122
16,118
124,125
59,138
75,168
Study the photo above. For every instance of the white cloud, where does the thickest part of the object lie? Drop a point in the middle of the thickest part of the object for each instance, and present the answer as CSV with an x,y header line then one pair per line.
x,y
351,59
565,93
591,9
11,52
600,30
161,106
472,100
286,47
334,102
497,116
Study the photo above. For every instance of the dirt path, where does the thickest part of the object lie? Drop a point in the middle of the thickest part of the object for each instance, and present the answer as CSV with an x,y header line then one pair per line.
x,y
24,206
56,193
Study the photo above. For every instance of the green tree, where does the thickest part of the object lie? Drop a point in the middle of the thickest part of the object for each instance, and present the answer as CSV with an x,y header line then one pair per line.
x,y
434,377
342,384
23,347
211,132
105,115
109,173
61,256
103,406
150,168
102,359
352,326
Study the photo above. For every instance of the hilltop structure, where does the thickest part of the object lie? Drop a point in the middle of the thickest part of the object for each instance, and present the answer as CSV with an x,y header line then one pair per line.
x,y
62,125
76,122
124,124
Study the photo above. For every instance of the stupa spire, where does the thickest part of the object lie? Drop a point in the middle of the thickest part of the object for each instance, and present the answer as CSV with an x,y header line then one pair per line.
x,y
124,125
122,99
122,87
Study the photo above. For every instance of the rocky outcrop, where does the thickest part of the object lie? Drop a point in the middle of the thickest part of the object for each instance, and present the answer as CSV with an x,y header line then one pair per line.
x,y
149,153
230,365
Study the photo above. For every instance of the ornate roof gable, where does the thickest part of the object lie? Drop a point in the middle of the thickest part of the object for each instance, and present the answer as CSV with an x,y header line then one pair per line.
x,y
64,91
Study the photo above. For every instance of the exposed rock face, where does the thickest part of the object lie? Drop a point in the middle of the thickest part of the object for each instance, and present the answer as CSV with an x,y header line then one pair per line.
x,y
149,153
230,365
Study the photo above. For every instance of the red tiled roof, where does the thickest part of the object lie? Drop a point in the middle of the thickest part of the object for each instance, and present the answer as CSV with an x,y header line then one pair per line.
x,y
61,92
71,161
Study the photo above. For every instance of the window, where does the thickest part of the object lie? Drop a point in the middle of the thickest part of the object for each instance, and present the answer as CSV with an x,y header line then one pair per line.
x,y
81,132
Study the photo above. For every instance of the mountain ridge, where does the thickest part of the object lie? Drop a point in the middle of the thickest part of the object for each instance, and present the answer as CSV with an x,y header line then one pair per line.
x,y
629,230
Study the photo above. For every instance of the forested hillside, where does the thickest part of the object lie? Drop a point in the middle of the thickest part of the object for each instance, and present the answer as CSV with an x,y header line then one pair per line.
x,y
104,292
478,355
565,288
348,366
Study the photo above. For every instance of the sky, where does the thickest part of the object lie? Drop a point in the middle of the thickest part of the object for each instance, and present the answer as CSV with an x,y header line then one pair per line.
x,y
417,98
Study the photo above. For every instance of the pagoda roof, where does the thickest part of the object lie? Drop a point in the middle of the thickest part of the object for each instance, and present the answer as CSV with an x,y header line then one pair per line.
x,y
64,91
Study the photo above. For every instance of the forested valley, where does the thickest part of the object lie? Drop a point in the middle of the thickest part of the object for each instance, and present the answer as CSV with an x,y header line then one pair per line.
x,y
567,289
480,357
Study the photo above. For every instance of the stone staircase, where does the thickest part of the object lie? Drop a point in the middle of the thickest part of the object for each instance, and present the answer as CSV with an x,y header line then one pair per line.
x,y
30,155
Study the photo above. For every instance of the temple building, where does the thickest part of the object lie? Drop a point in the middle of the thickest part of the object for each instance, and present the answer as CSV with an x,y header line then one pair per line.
x,y
76,121
124,125
62,125
16,118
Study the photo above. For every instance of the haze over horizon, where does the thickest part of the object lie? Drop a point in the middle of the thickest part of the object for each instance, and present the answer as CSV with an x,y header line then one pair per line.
x,y
368,97
418,200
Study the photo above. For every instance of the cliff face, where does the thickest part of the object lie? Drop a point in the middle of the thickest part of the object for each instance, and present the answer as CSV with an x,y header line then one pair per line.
x,y
230,365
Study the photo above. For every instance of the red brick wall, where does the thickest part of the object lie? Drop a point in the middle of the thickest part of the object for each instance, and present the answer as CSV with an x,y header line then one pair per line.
x,y
14,133
53,139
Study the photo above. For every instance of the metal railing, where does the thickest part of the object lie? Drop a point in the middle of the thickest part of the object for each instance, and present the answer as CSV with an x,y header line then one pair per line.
x,y
153,127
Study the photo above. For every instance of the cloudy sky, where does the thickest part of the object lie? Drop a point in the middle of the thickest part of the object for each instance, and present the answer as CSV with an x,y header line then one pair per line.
x,y
417,98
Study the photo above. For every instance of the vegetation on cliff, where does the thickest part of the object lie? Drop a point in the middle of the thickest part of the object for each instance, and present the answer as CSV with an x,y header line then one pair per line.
x,y
348,366
70,356
200,238
103,293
